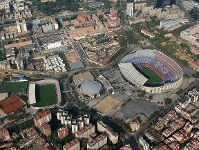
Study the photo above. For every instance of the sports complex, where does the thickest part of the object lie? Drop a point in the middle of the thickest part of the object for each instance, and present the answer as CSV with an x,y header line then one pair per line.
x,y
44,93
151,70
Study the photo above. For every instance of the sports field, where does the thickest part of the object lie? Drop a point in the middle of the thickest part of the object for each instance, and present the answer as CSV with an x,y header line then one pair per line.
x,y
151,76
16,87
106,105
45,95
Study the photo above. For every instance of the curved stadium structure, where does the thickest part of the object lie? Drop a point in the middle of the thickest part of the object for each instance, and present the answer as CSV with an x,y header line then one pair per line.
x,y
151,70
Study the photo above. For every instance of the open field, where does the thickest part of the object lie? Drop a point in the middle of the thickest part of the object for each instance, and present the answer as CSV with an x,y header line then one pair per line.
x,y
71,57
16,87
106,105
45,95
151,76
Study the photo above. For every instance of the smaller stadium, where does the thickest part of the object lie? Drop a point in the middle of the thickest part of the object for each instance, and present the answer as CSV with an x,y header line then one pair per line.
x,y
151,70
44,93
90,88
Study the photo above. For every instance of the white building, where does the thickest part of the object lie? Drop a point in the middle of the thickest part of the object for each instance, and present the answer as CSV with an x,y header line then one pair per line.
x,y
74,126
129,9
54,63
143,143
193,95
52,42
21,26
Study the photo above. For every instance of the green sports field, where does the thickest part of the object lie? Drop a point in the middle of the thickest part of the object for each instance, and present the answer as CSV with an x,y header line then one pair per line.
x,y
16,87
151,76
45,95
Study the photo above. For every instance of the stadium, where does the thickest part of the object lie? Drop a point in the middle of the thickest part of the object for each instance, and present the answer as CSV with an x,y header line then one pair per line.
x,y
44,93
151,70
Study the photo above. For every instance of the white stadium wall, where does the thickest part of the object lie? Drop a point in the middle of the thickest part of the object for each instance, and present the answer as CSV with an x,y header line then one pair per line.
x,y
164,88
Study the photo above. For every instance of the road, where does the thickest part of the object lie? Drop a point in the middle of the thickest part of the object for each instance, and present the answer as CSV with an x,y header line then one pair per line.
x,y
10,125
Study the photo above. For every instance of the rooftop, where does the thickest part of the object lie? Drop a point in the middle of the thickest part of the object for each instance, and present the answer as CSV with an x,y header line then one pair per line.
x,y
91,87
11,104
71,144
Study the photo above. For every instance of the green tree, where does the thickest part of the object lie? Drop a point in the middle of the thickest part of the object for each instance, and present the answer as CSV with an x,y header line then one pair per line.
x,y
167,101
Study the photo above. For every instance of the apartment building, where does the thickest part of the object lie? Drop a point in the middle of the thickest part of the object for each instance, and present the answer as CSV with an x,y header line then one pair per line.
x,y
86,131
72,145
129,9
113,136
62,132
97,143
42,118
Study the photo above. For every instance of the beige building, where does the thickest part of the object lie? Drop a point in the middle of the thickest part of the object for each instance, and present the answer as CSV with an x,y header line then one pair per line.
x,y
86,131
135,126
191,35
147,33
81,77
97,143
113,136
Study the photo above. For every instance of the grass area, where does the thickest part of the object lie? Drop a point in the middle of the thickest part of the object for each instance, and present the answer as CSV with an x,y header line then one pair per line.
x,y
16,87
149,47
45,95
151,76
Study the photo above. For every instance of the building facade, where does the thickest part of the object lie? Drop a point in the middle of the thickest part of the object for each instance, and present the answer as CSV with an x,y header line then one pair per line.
x,y
72,145
86,131
97,143
129,9
42,118
113,136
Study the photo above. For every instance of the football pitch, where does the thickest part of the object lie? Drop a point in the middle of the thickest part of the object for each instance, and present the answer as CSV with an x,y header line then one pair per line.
x,y
152,77
45,95
16,87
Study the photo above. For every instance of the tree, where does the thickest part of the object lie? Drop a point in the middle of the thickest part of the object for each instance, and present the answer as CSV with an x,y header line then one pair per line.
x,y
167,101
180,91
150,97
195,13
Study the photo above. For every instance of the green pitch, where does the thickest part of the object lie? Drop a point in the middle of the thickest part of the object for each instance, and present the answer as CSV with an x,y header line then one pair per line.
x,y
152,77
16,87
45,95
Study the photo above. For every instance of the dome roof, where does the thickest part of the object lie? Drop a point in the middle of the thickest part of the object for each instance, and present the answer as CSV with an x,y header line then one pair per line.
x,y
91,87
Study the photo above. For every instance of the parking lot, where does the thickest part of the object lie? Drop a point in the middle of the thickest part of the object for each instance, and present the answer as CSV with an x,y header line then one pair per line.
x,y
137,106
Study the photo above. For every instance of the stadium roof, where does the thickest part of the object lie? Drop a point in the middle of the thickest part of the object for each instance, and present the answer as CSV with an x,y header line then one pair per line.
x,y
31,94
11,104
129,71
91,87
